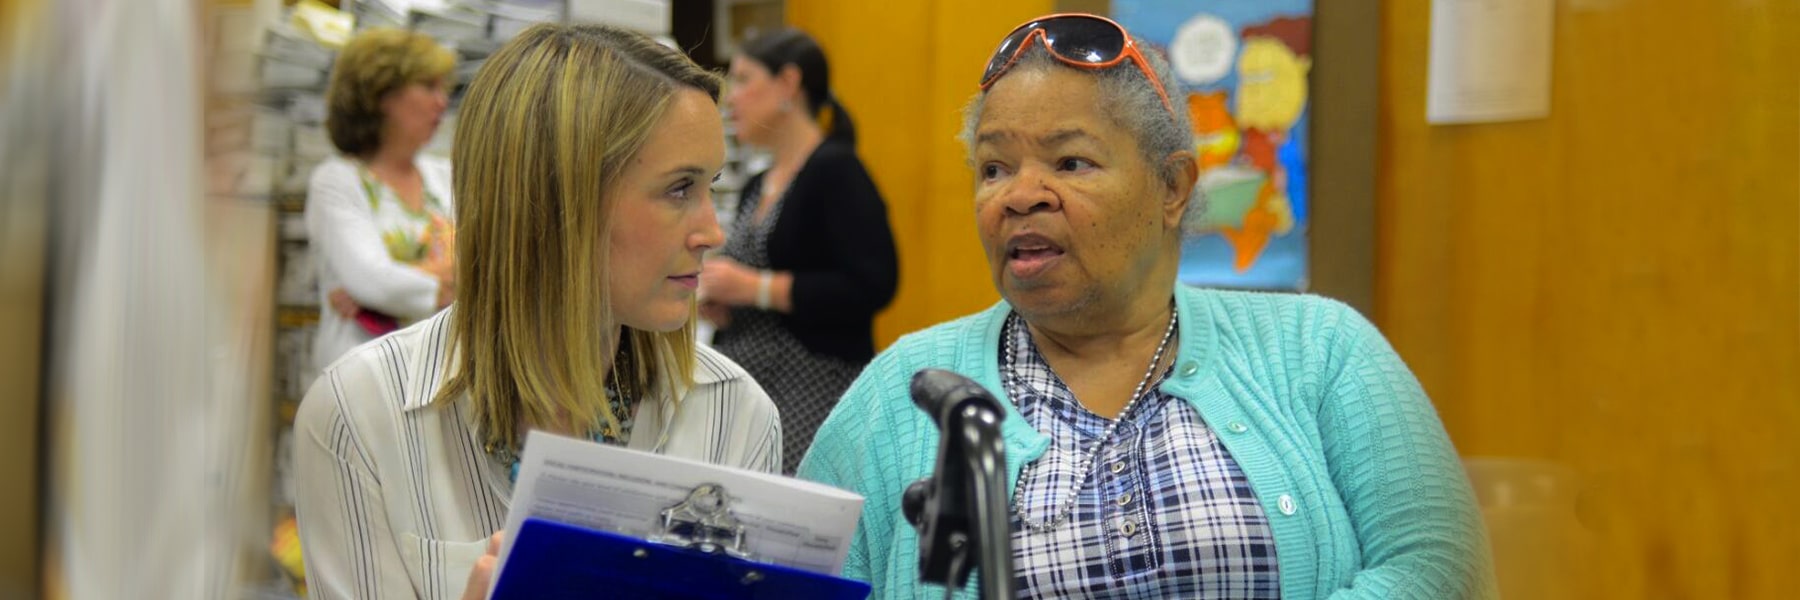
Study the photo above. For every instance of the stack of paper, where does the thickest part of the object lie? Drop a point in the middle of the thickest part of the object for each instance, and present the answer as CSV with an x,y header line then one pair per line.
x,y
512,17
299,282
452,26
651,17
290,60
379,13
328,26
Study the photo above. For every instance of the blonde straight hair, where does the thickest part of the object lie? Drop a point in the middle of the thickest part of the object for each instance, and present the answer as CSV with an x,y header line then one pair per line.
x,y
548,125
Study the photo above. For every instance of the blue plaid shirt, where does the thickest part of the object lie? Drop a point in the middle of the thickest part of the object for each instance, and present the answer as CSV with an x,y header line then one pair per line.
x,y
1167,514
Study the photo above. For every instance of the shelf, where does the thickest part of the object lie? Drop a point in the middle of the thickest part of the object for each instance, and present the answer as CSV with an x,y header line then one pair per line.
x,y
286,408
290,202
279,589
291,317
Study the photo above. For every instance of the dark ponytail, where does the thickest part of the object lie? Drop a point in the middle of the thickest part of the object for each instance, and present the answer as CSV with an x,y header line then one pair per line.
x,y
793,47
835,121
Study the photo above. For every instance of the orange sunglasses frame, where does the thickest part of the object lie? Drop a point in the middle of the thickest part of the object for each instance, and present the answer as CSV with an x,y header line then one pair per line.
x,y
1129,51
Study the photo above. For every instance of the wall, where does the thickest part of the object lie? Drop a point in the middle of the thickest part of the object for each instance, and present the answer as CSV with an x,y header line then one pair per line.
x,y
1615,288
908,112
1345,98
905,69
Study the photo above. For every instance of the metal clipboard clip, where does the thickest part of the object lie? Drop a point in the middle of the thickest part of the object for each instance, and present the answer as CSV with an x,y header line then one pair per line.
x,y
704,521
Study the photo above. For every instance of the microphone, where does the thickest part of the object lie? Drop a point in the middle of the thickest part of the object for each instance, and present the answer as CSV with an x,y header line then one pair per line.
x,y
936,391
960,511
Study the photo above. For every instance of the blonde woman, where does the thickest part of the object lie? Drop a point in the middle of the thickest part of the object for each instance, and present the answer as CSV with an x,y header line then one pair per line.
x,y
582,165
378,214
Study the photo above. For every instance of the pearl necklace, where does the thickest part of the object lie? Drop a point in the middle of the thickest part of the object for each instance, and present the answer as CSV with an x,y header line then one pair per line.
x,y
1087,461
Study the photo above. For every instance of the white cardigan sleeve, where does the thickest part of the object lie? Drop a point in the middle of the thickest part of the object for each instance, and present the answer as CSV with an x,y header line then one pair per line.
x,y
343,233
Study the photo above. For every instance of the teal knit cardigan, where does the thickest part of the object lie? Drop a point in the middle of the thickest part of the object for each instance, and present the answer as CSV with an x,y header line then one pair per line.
x,y
1363,490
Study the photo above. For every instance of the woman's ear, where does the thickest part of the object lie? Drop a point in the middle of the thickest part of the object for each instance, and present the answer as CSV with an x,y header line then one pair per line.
x,y
385,104
1183,174
789,78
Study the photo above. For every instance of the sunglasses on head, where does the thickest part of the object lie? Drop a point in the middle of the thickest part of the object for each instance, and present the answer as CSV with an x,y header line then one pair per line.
x,y
1079,40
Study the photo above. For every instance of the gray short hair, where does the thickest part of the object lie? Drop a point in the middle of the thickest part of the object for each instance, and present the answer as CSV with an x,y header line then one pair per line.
x,y
1128,98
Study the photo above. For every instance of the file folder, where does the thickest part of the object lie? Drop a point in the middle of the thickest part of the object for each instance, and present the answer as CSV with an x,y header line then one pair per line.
x,y
552,560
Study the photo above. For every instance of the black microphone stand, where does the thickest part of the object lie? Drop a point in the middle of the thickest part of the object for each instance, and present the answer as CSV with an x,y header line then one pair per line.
x,y
960,511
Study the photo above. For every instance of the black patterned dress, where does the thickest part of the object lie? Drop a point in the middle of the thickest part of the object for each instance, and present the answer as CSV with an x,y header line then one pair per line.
x,y
804,385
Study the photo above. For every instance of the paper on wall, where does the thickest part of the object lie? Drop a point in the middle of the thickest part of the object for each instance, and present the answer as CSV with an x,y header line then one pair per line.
x,y
1490,60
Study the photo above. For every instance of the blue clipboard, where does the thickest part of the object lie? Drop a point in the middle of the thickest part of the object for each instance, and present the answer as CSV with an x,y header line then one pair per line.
x,y
552,560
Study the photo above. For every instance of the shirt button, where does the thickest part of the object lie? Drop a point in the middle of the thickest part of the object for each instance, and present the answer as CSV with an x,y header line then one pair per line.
x,y
1237,427
1118,467
1128,529
1125,500
1189,369
1287,504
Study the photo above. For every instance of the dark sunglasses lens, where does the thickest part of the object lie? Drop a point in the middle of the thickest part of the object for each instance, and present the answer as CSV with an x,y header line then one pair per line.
x,y
1083,39
1004,53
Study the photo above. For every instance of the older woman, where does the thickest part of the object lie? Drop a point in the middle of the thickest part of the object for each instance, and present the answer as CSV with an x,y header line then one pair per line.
x,y
1162,441
583,159
379,214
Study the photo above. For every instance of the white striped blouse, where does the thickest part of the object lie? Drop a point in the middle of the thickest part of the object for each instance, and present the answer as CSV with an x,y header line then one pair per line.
x,y
396,497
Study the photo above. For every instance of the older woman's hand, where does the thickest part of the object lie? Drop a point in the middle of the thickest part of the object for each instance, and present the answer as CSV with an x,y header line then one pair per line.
x,y
444,270
440,258
342,303
440,239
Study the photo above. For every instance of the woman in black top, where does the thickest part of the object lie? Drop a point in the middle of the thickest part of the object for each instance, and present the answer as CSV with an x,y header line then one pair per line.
x,y
809,259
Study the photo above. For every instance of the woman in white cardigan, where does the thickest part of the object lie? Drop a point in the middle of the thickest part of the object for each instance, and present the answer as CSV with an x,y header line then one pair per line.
x,y
379,215
583,161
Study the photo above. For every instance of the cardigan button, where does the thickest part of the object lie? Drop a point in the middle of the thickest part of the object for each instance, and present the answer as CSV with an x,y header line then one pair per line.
x,y
1287,504
1189,369
1237,427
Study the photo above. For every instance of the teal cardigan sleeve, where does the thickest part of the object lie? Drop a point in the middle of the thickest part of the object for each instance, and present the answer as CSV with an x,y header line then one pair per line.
x,y
1408,499
843,455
